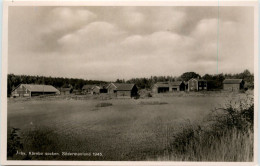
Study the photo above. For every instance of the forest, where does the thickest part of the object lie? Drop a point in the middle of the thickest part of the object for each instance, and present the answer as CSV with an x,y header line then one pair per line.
x,y
214,81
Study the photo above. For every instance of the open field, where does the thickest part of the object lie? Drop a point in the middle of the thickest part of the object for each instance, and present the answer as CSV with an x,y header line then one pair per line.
x,y
121,129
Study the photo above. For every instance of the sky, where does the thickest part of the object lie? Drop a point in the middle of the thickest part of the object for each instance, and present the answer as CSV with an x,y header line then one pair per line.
x,y
106,43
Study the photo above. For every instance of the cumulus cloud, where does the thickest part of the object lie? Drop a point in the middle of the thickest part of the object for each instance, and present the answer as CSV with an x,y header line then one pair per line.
x,y
65,18
107,43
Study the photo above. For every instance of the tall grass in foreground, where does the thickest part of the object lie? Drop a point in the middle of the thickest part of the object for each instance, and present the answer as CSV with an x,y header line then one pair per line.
x,y
225,135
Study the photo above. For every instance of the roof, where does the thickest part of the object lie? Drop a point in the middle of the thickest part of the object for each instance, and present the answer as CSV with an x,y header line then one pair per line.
x,y
114,83
232,81
198,79
176,83
95,86
162,85
40,88
167,84
127,87
88,86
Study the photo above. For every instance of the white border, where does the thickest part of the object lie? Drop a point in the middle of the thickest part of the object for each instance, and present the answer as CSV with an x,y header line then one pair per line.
x,y
8,3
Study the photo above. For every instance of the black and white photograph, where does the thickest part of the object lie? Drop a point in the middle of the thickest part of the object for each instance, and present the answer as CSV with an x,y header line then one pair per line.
x,y
157,83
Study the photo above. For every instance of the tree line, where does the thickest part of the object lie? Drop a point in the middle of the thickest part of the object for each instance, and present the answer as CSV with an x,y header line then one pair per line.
x,y
214,81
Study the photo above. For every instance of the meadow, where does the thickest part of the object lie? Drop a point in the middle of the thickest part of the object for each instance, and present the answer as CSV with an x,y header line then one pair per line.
x,y
113,129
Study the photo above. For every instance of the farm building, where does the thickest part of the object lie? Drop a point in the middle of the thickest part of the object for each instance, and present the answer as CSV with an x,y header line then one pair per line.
x,y
196,84
87,89
126,91
65,91
186,83
29,90
95,90
111,88
233,84
177,86
103,88
162,87
76,92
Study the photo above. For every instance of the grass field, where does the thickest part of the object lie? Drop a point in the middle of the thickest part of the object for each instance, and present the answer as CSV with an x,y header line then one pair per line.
x,y
121,129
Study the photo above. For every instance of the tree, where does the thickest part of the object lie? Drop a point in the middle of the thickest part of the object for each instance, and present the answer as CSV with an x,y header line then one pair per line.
x,y
188,75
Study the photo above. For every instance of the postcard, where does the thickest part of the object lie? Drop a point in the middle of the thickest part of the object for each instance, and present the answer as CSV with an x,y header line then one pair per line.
x,y
129,83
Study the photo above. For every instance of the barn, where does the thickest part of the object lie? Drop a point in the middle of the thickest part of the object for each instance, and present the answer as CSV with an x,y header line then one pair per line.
x,y
30,90
161,87
111,88
177,86
65,91
196,84
95,90
126,91
103,88
233,84
87,89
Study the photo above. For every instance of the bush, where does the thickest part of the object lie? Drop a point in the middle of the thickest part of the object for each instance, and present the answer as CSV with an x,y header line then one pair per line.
x,y
13,142
225,135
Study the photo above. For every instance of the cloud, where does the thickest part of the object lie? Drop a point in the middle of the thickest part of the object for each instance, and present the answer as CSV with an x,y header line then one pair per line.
x,y
125,42
65,18
93,35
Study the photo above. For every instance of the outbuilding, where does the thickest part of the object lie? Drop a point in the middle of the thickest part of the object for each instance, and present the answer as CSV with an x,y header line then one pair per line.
x,y
65,91
177,86
196,84
161,87
29,90
126,91
87,89
111,88
233,84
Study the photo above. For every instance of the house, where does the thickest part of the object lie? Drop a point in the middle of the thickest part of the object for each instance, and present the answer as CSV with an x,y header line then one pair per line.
x,y
111,88
196,84
162,87
126,91
65,91
87,89
177,86
29,90
233,84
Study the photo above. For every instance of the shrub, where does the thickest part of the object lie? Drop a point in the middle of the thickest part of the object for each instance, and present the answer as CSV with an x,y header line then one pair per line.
x,y
13,142
225,135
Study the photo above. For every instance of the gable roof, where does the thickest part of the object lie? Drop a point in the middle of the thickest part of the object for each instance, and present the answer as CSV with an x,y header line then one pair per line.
x,y
127,87
88,87
232,81
168,84
162,84
40,88
176,83
115,84
197,79
96,86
